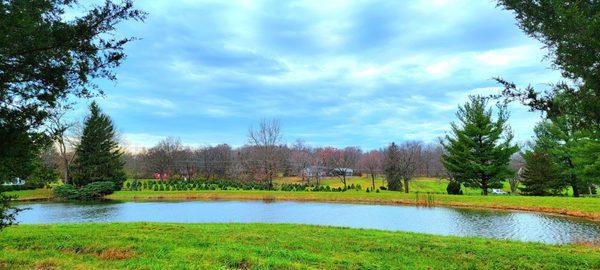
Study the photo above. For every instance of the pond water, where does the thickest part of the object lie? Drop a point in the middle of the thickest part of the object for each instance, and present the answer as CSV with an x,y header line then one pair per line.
x,y
525,226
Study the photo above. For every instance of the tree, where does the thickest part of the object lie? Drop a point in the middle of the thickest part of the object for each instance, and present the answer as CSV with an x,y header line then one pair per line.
x,y
341,161
45,59
98,156
8,212
479,149
570,30
541,175
561,140
392,170
301,159
372,161
61,131
161,158
266,140
410,153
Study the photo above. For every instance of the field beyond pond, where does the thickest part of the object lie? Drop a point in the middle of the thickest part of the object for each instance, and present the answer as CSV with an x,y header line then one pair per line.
x,y
586,207
279,246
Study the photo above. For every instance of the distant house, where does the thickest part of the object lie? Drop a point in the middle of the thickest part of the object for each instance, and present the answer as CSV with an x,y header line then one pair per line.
x,y
313,171
342,171
15,182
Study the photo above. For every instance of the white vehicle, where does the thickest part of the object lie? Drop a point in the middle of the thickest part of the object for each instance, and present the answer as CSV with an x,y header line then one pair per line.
x,y
497,191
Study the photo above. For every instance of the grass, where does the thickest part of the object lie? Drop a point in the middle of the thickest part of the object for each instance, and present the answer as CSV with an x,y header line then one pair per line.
x,y
270,246
32,194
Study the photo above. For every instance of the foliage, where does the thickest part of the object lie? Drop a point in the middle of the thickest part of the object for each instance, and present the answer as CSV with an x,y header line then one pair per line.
x,y
560,139
91,191
98,156
479,150
7,211
46,58
541,175
392,168
570,30
454,188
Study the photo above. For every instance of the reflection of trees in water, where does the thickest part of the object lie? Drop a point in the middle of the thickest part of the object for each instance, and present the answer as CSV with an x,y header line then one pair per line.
x,y
482,223
524,226
93,211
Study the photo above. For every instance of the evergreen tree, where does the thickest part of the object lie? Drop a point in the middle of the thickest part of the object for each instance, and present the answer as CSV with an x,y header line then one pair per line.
x,y
571,149
392,168
541,175
98,157
479,150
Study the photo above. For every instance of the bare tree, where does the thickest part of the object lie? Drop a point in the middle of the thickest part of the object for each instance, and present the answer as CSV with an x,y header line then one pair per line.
x,y
341,161
266,140
516,164
372,161
61,129
301,159
408,161
162,157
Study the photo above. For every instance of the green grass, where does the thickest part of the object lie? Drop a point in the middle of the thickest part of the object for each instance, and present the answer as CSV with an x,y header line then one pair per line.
x,y
32,194
270,246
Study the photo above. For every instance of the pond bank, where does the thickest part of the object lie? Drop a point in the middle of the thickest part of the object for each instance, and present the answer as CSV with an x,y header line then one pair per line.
x,y
588,208
281,246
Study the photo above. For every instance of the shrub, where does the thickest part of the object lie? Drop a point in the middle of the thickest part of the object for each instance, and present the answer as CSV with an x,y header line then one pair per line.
x,y
67,192
382,188
454,188
90,191
377,191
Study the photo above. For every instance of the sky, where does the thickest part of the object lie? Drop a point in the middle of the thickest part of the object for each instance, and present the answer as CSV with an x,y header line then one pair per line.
x,y
338,73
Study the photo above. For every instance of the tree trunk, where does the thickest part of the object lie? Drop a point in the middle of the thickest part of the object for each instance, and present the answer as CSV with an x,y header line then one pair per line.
x,y
373,181
406,185
344,180
484,186
575,187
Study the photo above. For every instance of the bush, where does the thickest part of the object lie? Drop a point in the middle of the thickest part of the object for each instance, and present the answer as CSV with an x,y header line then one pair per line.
x,y
91,191
454,188
67,192
382,188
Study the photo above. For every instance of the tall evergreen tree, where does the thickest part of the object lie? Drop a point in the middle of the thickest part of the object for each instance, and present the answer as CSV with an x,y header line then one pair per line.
x,y
98,156
392,168
479,150
541,175
567,145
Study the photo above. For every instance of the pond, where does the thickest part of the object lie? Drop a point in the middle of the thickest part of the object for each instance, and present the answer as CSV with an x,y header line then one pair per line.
x,y
525,226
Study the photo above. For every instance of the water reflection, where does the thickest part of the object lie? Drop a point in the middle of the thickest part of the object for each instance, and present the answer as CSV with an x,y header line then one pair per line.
x,y
436,220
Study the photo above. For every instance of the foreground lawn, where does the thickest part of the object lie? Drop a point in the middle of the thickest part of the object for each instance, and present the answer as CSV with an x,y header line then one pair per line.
x,y
585,207
260,246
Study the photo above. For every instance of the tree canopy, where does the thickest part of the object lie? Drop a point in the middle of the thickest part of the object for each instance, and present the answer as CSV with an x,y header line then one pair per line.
x,y
98,156
479,149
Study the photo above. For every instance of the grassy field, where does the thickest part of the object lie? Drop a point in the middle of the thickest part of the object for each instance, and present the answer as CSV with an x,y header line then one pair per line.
x,y
262,246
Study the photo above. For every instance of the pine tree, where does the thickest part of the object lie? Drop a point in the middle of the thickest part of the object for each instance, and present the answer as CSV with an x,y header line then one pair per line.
x,y
98,157
392,169
479,150
541,175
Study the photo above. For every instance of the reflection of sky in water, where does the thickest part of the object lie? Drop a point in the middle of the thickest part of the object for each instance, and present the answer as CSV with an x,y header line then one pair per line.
x,y
435,220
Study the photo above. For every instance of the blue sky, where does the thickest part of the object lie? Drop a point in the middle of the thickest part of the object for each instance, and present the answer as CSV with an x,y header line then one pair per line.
x,y
340,73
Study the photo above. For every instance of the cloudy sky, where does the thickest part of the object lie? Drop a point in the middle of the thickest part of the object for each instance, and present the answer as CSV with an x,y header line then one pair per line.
x,y
361,73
